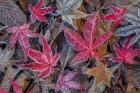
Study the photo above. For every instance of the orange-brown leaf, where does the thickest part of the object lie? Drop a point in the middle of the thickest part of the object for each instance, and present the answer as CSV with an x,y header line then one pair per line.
x,y
102,75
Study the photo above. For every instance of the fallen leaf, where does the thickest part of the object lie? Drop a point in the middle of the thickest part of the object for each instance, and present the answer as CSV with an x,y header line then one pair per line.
x,y
16,88
11,73
65,83
10,13
85,46
102,75
116,17
125,53
43,62
20,34
6,55
38,13
69,10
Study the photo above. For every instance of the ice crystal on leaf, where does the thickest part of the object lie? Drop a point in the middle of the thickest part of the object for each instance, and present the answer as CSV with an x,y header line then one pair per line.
x,y
65,83
125,53
38,13
116,17
86,46
43,62
20,34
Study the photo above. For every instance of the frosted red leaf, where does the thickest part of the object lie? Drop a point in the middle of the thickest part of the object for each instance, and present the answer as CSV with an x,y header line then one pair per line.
x,y
86,46
65,83
3,90
38,13
125,53
116,17
44,63
20,34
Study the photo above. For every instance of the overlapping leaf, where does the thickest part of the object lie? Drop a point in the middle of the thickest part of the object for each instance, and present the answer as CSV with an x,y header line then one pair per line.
x,y
38,13
11,14
125,53
20,34
16,88
65,83
116,17
85,46
102,75
130,29
69,10
6,55
43,62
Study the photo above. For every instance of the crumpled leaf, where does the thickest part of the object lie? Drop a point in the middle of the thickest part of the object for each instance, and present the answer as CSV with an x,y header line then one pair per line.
x,y
10,13
68,9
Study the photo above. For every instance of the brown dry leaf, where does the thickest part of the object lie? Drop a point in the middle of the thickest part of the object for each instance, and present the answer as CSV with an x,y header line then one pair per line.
x,y
112,40
11,73
130,82
79,23
36,89
22,81
135,91
48,80
102,50
102,75
10,13
23,4
129,4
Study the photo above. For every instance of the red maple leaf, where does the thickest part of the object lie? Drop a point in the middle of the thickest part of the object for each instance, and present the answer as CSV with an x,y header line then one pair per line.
x,y
116,17
37,12
126,53
15,86
43,62
85,46
20,34
65,83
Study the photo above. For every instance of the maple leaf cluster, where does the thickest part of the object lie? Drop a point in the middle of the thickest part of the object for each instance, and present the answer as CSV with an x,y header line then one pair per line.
x,y
46,62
